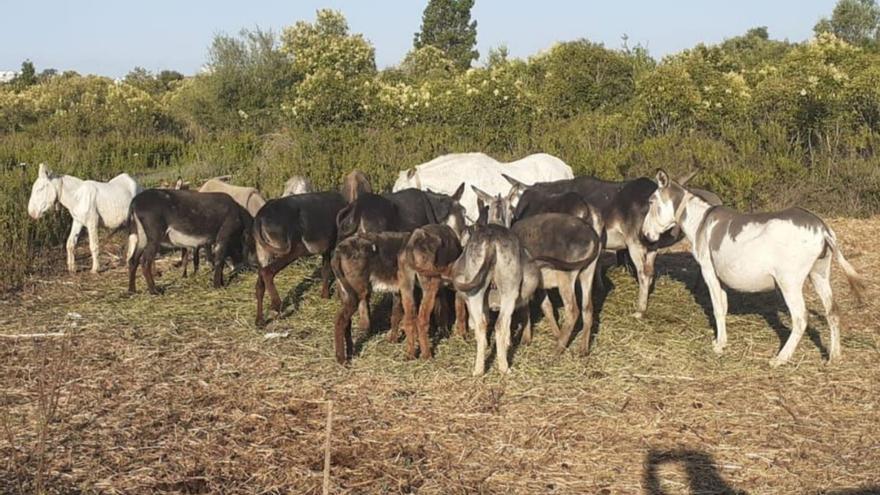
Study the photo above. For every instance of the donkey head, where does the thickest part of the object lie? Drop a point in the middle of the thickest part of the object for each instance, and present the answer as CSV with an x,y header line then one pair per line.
x,y
500,207
456,217
517,188
44,193
662,206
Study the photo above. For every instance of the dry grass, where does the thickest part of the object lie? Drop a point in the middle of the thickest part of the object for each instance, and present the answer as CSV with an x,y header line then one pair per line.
x,y
181,393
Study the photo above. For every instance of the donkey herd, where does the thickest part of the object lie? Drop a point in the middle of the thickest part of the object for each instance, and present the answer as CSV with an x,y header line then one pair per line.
x,y
467,231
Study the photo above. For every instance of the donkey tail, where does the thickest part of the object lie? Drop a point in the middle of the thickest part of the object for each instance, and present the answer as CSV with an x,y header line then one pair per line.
x,y
347,290
135,231
480,276
346,221
856,282
262,236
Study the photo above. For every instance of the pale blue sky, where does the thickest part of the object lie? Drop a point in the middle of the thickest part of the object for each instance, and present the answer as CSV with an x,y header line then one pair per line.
x,y
110,37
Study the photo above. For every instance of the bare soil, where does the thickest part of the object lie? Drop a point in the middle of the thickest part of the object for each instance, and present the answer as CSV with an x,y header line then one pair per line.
x,y
180,393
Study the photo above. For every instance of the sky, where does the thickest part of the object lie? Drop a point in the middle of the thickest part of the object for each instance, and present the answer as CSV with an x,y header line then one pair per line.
x,y
110,37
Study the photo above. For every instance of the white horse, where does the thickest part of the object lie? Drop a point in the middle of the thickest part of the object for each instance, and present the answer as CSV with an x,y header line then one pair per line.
x,y
89,202
445,173
754,252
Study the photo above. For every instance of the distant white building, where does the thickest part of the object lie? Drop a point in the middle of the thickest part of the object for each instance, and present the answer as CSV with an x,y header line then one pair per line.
x,y
7,75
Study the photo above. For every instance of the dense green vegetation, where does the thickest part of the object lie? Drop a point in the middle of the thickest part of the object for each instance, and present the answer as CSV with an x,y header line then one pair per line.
x,y
771,123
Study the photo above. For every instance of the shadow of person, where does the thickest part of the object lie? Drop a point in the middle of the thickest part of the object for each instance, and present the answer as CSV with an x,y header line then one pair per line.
x,y
703,476
701,472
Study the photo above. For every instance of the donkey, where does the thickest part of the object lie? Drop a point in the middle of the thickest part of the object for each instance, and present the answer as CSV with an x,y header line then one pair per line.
x,y
362,264
288,228
567,250
401,211
427,259
494,255
297,185
89,202
623,206
248,197
188,219
754,252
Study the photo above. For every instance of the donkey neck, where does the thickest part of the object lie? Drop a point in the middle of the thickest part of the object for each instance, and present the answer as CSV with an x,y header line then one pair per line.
x,y
65,188
694,211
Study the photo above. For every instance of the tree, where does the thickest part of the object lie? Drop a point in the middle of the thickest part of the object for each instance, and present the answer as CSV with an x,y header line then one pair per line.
x,y
855,21
447,25
335,68
327,44
26,77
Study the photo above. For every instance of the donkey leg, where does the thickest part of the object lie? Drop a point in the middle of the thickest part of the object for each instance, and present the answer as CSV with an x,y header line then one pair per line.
x,y
94,248
430,287
184,261
342,333
793,293
133,260
586,278
407,300
644,273
547,311
719,307
821,278
477,313
569,304
460,316
526,314
502,332
75,229
396,313
325,274
147,263
259,292
195,258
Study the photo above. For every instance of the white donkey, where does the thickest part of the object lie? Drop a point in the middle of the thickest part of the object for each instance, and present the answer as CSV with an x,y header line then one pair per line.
x,y
89,202
445,173
754,252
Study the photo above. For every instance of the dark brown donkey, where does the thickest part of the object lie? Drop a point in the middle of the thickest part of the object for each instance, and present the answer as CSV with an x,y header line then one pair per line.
x,y
362,264
291,227
427,258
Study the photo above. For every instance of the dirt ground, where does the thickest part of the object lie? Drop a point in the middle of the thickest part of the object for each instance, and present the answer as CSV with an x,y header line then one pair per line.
x,y
180,393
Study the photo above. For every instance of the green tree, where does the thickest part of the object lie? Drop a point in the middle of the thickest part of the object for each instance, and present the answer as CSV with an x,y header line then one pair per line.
x,y
26,77
335,68
855,21
447,25
579,76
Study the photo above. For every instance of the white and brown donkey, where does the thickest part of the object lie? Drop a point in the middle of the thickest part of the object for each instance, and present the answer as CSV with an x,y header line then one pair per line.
x,y
754,252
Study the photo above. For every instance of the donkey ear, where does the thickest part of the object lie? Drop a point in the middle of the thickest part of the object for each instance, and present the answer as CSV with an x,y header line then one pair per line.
x,y
690,175
662,179
515,183
43,171
482,194
458,192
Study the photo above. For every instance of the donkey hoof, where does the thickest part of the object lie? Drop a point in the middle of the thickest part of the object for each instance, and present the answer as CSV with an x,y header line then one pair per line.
x,y
776,362
639,315
718,348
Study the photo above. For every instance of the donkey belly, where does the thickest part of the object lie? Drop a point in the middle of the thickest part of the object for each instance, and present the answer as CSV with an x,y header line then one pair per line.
x,y
742,275
182,239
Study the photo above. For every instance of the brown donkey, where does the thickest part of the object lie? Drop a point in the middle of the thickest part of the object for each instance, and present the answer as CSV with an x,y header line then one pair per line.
x,y
428,258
